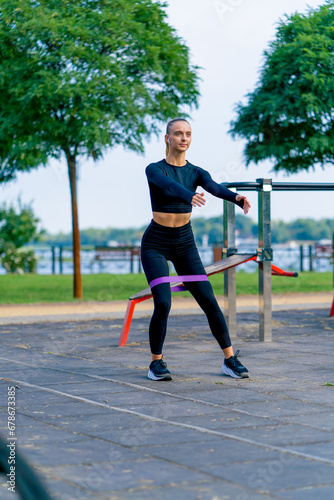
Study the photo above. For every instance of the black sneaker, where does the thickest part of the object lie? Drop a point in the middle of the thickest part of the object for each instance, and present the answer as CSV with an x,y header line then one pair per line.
x,y
233,368
158,370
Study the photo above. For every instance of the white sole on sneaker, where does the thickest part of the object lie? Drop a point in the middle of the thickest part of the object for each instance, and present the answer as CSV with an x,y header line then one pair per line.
x,y
227,371
154,377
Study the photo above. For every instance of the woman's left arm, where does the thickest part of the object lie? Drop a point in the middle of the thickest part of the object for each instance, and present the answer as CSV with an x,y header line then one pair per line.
x,y
223,192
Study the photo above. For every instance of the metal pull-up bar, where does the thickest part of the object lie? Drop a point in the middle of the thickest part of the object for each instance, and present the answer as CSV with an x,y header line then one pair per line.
x,y
264,250
282,186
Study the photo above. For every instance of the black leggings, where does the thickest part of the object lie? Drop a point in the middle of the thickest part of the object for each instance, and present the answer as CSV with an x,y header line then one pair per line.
x,y
177,244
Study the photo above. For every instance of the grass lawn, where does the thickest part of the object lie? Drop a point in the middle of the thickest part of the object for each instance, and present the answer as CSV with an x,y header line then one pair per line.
x,y
16,289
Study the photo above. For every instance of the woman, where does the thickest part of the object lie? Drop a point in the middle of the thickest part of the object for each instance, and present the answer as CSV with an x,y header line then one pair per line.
x,y
173,183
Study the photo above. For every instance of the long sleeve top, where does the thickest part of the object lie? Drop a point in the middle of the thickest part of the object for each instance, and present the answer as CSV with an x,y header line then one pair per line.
x,y
172,188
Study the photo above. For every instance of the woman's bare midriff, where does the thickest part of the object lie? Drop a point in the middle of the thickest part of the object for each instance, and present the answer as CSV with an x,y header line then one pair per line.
x,y
171,220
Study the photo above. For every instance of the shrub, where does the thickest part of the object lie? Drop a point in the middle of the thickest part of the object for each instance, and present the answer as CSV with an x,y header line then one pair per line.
x,y
18,261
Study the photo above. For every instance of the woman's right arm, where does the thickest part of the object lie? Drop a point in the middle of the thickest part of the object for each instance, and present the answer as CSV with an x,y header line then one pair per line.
x,y
171,187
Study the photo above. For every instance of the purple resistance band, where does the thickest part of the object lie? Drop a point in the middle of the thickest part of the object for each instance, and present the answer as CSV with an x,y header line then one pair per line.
x,y
170,279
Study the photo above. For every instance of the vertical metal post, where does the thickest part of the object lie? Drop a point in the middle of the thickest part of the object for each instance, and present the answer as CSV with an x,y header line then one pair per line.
x,y
60,260
131,261
310,255
230,290
265,254
301,258
53,257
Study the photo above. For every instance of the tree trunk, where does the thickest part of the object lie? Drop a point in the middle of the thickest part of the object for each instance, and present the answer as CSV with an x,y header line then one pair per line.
x,y
77,283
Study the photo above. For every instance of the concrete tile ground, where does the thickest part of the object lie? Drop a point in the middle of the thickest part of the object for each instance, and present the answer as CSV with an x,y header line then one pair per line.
x,y
94,427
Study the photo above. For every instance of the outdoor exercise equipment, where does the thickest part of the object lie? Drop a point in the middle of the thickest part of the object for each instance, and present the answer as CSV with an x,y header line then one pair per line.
x,y
178,286
332,309
264,250
231,258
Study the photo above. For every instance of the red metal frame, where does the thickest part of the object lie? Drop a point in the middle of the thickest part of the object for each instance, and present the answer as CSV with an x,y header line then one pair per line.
x,y
277,271
128,318
332,309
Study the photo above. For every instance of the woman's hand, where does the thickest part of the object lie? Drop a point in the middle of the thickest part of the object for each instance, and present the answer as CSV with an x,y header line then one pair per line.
x,y
247,205
198,200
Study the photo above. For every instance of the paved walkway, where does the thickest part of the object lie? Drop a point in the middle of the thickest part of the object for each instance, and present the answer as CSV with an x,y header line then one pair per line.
x,y
115,310
95,427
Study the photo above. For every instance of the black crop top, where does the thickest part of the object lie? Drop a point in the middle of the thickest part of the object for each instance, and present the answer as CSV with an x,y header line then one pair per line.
x,y
172,188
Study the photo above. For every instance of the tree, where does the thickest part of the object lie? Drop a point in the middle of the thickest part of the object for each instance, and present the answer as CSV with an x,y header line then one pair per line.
x,y
213,227
289,117
280,231
18,226
245,226
310,229
79,77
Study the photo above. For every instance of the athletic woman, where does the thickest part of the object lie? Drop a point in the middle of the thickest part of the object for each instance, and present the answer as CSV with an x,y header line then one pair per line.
x,y
173,182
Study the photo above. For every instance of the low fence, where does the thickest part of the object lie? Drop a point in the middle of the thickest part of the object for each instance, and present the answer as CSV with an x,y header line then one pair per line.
x,y
101,259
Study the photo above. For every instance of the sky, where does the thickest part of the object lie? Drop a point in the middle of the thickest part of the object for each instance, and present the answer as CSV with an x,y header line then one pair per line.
x,y
227,39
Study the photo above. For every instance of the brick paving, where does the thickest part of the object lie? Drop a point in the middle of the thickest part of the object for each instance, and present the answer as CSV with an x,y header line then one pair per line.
x,y
94,427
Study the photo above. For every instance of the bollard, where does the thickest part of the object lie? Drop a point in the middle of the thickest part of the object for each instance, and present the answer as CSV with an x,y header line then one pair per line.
x,y
230,298
265,257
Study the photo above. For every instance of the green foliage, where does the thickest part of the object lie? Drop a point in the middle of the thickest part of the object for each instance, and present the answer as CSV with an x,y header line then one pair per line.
x,y
245,227
214,228
79,77
18,226
131,236
302,229
18,261
288,118
92,236
280,232
82,76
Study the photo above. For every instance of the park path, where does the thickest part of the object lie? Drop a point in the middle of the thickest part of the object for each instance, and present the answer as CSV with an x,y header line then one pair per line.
x,y
95,427
115,310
